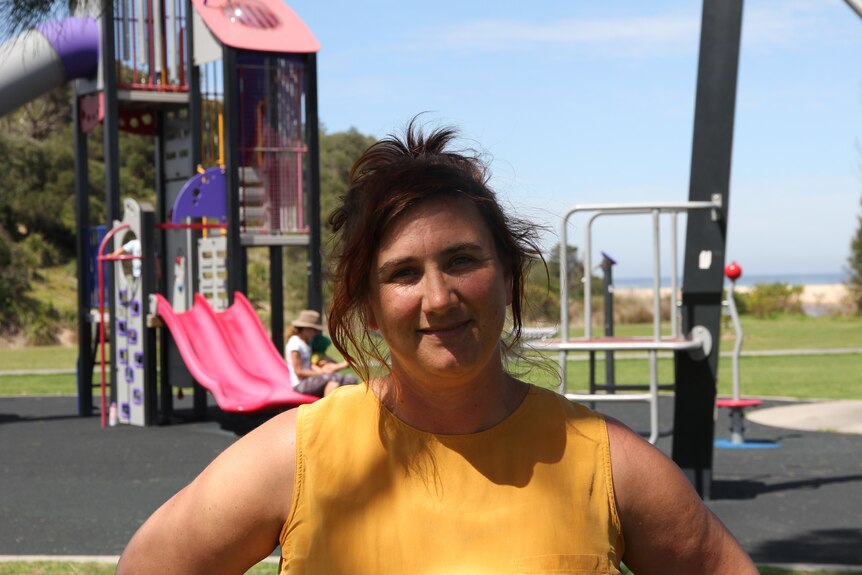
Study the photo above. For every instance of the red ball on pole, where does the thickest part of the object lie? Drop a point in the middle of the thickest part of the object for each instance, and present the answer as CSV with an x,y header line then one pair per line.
x,y
733,271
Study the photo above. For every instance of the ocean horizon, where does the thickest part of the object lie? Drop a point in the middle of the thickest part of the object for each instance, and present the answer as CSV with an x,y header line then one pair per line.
x,y
746,280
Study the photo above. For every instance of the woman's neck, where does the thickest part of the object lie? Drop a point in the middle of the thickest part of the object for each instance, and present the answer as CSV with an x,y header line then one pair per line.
x,y
449,408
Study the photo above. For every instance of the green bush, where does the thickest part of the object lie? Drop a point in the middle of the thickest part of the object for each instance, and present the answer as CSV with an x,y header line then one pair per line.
x,y
43,326
543,305
14,283
41,253
741,299
768,300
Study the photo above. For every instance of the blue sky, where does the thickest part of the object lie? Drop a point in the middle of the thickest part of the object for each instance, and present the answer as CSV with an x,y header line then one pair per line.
x,y
579,102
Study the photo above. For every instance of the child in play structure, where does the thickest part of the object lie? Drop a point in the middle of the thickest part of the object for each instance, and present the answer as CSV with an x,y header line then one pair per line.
x,y
318,377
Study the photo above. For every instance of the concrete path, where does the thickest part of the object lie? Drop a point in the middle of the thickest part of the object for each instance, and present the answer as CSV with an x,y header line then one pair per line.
x,y
836,416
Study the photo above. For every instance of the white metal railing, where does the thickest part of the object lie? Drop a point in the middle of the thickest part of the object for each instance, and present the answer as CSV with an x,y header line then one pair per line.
x,y
695,342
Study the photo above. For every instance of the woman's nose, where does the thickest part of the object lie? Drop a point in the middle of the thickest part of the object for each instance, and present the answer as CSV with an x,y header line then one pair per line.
x,y
438,293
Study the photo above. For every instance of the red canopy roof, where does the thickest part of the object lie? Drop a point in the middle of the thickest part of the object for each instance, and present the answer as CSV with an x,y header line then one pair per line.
x,y
259,25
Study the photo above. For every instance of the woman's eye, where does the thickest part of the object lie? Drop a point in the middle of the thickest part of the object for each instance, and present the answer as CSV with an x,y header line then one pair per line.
x,y
462,260
401,275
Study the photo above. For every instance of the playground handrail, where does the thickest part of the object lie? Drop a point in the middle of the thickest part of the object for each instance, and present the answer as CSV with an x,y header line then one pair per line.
x,y
737,348
656,210
697,342
101,259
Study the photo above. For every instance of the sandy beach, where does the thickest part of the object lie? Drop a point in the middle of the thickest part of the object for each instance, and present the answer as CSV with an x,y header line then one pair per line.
x,y
827,295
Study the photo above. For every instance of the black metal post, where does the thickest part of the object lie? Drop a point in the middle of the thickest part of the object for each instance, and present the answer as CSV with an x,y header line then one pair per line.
x,y
235,260
111,139
148,286
166,400
82,251
276,289
694,427
315,267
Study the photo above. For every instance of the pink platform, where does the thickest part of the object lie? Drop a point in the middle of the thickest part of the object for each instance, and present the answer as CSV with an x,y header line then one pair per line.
x,y
738,403
259,25
230,354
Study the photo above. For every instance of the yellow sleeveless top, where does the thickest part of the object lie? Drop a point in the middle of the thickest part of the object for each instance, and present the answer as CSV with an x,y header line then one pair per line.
x,y
533,494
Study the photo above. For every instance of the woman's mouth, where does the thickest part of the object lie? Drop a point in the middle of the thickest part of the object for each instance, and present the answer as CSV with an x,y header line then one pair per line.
x,y
445,331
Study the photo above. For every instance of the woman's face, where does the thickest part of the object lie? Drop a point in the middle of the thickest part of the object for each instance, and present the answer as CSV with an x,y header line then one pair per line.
x,y
439,292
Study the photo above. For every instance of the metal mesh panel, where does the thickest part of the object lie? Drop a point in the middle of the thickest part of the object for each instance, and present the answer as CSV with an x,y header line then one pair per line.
x,y
149,38
272,148
212,113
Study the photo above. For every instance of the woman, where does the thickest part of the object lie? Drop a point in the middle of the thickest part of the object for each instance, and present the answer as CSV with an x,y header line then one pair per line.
x,y
443,462
306,376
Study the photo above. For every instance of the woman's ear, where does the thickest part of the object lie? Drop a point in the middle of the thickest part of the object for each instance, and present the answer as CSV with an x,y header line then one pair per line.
x,y
510,287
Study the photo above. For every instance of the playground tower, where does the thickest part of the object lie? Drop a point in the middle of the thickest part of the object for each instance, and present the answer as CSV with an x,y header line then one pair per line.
x,y
227,89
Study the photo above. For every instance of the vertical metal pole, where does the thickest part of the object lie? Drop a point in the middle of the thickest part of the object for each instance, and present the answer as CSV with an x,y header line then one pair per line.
x,y
656,276
111,139
653,388
607,268
148,286
315,267
712,146
674,278
196,152
588,285
276,288
82,250
235,260
737,348
653,356
165,402
564,302
192,74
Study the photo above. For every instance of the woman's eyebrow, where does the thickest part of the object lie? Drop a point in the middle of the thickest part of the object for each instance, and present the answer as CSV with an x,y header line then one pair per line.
x,y
393,264
463,247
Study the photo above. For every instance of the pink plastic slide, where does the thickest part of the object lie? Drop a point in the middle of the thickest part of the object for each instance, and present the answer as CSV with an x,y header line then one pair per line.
x,y
230,354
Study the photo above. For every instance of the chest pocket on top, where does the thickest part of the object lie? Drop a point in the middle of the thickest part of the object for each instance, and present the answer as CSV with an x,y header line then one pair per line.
x,y
562,564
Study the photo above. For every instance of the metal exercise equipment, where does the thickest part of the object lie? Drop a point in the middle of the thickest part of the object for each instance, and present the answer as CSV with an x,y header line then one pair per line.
x,y
697,342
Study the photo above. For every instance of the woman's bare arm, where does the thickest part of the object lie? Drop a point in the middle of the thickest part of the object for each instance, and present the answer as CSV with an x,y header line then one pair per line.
x,y
230,516
666,526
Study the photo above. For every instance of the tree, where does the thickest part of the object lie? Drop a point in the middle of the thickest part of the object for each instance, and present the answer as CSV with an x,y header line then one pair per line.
x,y
338,152
543,286
37,203
39,118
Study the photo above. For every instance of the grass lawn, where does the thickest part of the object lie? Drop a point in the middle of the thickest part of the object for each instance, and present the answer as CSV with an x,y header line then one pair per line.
x,y
798,376
780,332
41,357
803,377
